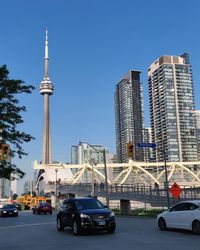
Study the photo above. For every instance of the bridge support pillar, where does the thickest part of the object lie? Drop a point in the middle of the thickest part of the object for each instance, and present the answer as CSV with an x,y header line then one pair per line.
x,y
125,206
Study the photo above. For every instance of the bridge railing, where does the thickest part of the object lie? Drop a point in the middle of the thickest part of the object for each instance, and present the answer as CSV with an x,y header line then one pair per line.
x,y
121,190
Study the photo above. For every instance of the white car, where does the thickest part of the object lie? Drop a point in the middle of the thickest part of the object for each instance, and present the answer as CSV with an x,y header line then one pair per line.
x,y
183,215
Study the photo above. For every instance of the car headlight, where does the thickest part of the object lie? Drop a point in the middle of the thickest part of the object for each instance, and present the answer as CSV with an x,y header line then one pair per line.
x,y
84,216
112,214
4,212
15,211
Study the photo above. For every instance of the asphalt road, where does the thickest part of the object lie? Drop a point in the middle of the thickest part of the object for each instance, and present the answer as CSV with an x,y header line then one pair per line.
x,y
38,232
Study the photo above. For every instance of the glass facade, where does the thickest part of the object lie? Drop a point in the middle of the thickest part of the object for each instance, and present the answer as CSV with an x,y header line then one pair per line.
x,y
197,114
172,108
129,113
93,154
4,188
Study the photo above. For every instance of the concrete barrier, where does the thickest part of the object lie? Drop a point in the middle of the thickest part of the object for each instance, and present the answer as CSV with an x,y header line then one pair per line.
x,y
125,206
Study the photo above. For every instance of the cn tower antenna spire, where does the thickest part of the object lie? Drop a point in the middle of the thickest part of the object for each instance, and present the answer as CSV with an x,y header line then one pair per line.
x,y
46,58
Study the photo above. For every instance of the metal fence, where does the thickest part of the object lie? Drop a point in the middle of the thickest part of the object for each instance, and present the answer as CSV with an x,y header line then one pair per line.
x,y
148,194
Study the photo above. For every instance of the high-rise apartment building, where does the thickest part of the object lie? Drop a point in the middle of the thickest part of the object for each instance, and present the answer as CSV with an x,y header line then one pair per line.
x,y
13,186
84,152
148,153
93,154
4,188
172,108
197,114
129,113
28,186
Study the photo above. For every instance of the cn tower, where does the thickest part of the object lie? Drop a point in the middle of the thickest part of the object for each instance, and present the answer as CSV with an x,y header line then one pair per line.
x,y
46,89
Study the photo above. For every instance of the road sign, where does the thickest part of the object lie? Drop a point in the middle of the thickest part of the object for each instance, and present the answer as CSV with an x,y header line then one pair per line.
x,y
146,145
175,190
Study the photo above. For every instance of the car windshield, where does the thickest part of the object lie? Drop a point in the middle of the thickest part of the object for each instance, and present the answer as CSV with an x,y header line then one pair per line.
x,y
9,206
44,204
88,204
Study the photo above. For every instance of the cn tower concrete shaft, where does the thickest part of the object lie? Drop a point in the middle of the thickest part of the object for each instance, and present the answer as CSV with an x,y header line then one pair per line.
x,y
46,150
46,89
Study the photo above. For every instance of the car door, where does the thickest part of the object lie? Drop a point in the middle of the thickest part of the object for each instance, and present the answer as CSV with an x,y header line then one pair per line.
x,y
182,215
175,216
67,209
63,212
70,212
188,215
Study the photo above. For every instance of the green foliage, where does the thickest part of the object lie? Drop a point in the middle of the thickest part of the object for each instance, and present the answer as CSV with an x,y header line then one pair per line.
x,y
15,196
141,212
10,118
34,194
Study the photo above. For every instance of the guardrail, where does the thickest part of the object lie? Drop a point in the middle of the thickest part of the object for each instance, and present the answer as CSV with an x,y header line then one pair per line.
x,y
154,196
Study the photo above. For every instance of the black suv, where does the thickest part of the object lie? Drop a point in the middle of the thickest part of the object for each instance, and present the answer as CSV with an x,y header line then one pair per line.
x,y
84,214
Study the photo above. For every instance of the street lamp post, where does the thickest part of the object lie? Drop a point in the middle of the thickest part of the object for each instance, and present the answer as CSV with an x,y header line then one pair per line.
x,y
153,145
105,170
166,178
166,186
56,195
106,176
92,192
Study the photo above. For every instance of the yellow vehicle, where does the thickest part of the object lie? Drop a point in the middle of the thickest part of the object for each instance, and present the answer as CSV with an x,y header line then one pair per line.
x,y
24,201
27,201
36,200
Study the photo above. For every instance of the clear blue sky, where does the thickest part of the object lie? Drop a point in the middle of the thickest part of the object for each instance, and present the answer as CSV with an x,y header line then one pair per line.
x,y
92,44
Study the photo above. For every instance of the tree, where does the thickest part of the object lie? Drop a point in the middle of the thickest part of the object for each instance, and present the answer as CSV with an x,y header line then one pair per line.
x,y
34,194
10,118
15,196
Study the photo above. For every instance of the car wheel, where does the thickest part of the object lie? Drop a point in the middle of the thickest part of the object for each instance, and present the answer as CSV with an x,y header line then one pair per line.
x,y
38,212
162,224
111,230
196,227
33,212
76,228
60,226
50,212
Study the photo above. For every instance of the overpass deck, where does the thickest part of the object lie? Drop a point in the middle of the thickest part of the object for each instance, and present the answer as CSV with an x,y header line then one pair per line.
x,y
146,194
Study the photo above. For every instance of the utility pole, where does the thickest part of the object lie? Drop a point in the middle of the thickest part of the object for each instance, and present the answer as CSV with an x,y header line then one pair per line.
x,y
56,195
93,191
166,178
1,138
105,169
153,145
106,176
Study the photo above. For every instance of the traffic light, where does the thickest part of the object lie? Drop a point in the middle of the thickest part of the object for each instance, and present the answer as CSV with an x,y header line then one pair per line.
x,y
5,149
130,150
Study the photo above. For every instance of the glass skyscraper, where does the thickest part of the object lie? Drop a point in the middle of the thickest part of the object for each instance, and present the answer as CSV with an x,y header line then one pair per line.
x,y
197,114
129,113
94,155
172,108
